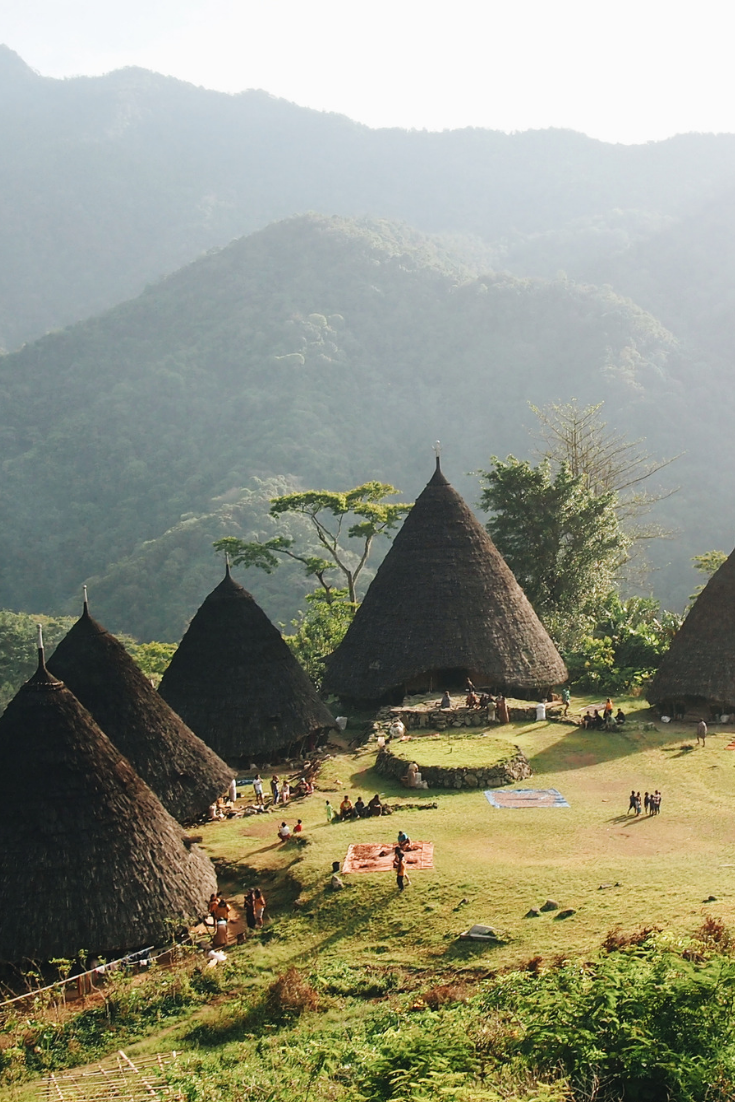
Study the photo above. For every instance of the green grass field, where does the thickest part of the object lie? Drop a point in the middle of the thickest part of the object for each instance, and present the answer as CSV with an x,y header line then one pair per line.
x,y
492,865
456,751
371,952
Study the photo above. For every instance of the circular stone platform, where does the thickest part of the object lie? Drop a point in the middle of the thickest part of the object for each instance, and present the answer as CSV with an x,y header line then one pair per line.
x,y
488,763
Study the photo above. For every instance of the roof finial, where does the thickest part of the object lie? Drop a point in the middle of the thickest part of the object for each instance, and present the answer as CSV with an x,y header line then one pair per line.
x,y
86,601
39,644
227,564
438,454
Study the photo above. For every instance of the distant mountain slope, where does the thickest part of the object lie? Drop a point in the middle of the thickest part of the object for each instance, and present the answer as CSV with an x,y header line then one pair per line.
x,y
109,183
318,350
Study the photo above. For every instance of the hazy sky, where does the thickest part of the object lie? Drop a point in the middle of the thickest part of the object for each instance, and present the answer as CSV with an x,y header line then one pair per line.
x,y
627,71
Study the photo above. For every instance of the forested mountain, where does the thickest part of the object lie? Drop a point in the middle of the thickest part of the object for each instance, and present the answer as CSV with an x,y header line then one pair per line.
x,y
109,183
318,351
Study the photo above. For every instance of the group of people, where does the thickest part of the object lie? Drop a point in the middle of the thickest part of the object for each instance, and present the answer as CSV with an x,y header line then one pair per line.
x,y
254,908
281,791
219,912
497,706
651,802
285,831
358,810
608,720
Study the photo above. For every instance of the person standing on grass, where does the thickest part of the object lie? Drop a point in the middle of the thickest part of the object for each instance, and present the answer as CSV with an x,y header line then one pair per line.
x,y
566,699
701,732
656,802
638,804
250,909
647,803
258,907
258,790
631,802
274,788
399,864
331,813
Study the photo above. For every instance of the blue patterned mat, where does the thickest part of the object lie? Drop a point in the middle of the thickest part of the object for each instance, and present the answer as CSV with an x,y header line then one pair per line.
x,y
525,797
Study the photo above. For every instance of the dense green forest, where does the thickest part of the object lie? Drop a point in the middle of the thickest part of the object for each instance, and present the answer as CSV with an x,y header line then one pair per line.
x,y
319,352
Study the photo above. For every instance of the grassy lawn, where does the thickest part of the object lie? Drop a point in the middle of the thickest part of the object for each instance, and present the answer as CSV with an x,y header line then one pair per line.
x,y
456,751
492,865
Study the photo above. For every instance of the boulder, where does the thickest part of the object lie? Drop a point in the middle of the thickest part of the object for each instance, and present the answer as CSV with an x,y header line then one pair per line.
x,y
550,905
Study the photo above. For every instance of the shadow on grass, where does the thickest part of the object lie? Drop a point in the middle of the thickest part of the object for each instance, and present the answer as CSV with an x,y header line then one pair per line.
x,y
618,819
578,749
463,951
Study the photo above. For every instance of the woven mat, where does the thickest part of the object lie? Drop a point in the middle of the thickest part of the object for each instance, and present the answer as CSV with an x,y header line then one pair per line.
x,y
525,797
378,857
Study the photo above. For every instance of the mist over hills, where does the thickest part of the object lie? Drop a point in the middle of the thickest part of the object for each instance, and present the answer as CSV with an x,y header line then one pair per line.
x,y
330,347
109,183
318,351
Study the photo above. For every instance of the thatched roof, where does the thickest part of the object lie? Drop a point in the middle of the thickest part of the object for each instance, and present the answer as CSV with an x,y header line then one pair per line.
x,y
185,774
234,681
443,599
701,659
90,858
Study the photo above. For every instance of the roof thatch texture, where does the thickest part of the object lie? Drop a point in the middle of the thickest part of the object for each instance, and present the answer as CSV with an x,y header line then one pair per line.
x,y
701,659
443,599
185,774
90,858
234,681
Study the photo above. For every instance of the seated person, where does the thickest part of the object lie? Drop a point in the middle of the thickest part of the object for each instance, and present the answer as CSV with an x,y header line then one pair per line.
x,y
298,829
484,700
284,832
397,729
620,717
375,807
346,810
360,807
403,840
446,700
597,721
472,700
587,720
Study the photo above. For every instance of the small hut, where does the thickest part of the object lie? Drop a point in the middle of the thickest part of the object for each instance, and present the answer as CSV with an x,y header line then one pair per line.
x,y
234,681
698,671
185,773
443,606
90,858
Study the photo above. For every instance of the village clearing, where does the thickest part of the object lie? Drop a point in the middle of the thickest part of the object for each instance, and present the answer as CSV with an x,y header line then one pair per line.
x,y
367,951
491,866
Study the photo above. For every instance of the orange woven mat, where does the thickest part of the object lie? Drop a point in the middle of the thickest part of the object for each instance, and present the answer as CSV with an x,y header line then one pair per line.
x,y
378,857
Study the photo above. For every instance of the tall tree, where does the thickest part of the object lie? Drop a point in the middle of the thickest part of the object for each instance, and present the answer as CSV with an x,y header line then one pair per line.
x,y
329,514
604,459
563,541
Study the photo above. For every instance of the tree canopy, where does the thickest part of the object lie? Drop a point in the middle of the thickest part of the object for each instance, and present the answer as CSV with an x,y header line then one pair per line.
x,y
563,541
328,513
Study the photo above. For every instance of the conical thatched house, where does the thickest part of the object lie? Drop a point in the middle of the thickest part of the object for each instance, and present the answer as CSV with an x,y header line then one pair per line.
x,y
103,865
234,681
443,606
700,664
186,775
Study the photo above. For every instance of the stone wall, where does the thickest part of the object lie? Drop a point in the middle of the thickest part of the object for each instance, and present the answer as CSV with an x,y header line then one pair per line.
x,y
512,769
442,719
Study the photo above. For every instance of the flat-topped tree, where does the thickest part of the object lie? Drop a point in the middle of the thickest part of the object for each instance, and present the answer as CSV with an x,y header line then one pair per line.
x,y
699,666
235,682
182,770
443,606
84,837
